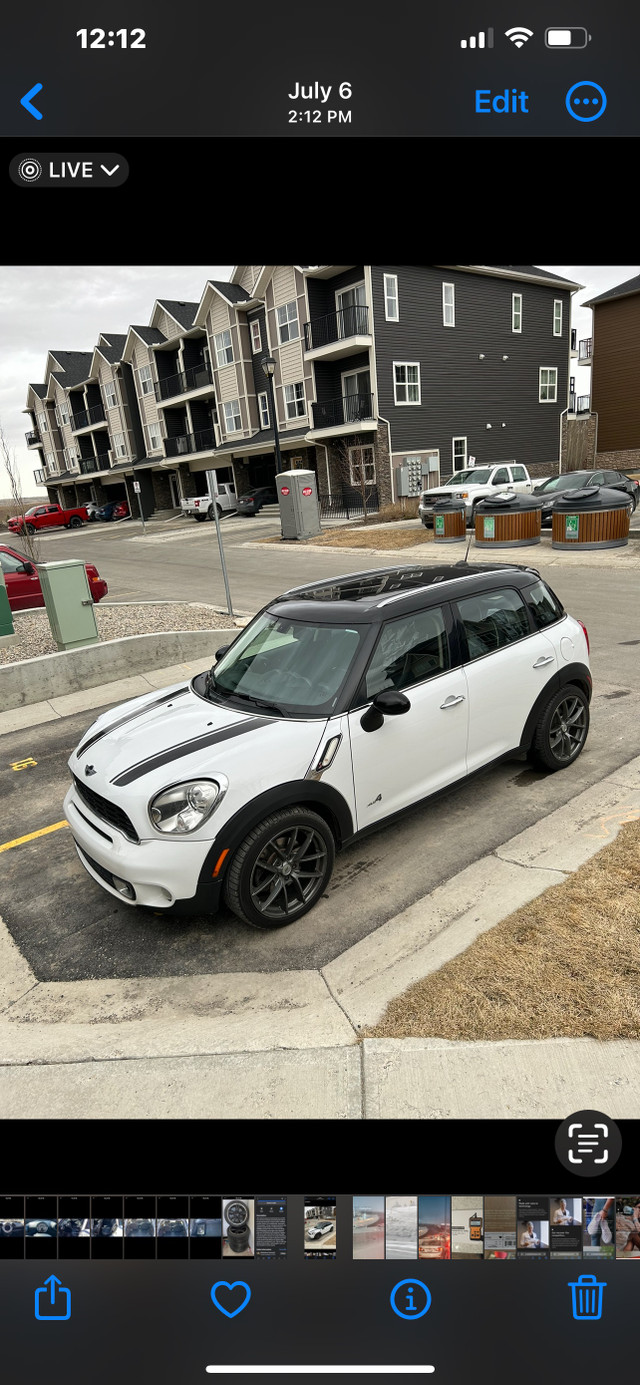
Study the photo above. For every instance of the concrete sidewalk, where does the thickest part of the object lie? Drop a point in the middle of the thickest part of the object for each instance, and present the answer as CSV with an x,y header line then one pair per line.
x,y
286,1044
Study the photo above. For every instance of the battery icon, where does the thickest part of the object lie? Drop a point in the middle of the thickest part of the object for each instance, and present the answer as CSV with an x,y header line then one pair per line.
x,y
566,38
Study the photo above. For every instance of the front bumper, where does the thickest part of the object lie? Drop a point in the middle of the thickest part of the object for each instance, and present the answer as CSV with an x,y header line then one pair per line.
x,y
161,874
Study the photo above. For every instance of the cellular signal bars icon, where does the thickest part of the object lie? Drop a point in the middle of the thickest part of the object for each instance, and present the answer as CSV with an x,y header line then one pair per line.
x,y
482,40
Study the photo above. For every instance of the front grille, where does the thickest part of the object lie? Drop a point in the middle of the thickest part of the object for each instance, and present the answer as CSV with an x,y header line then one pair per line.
x,y
110,812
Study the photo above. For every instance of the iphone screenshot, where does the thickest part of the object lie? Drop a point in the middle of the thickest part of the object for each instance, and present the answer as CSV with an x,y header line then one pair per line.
x,y
319,691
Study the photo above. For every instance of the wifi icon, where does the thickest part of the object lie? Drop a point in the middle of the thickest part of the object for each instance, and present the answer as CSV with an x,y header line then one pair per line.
x,y
518,35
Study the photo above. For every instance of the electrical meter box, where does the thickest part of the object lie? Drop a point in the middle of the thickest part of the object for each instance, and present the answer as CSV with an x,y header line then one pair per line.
x,y
6,619
298,501
65,588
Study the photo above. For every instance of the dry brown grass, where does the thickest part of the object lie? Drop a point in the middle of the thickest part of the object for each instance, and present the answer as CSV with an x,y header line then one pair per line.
x,y
407,508
365,538
568,964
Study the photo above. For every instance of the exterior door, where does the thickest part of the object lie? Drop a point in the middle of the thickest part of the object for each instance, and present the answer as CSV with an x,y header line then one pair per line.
x,y
421,750
351,322
356,393
507,668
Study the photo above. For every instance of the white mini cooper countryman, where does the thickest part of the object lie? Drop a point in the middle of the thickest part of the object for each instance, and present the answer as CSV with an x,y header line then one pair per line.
x,y
341,704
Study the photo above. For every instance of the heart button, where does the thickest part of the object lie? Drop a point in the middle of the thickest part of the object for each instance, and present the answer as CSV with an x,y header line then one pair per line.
x,y
222,1289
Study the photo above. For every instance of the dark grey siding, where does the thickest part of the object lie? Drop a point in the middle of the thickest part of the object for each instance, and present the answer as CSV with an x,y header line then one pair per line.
x,y
259,378
322,292
460,393
329,375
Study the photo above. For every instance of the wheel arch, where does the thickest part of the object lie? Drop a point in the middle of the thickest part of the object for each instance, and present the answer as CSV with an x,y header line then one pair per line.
x,y
299,793
570,673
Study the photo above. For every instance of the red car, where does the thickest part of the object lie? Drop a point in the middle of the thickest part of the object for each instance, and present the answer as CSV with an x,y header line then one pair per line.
x,y
23,583
48,517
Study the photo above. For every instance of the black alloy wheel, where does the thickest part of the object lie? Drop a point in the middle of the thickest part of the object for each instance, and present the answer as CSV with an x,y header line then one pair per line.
x,y
75,522
281,869
562,729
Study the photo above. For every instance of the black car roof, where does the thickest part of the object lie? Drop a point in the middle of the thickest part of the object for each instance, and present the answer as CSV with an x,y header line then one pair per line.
x,y
379,593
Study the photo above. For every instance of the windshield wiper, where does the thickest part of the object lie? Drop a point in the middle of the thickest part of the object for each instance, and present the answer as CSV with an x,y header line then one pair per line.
x,y
257,701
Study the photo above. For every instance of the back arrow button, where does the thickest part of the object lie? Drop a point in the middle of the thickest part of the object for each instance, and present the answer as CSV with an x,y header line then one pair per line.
x,y
26,101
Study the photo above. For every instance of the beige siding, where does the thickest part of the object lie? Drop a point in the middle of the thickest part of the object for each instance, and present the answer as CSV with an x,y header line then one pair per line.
x,y
284,284
291,364
115,416
249,275
146,402
227,383
168,325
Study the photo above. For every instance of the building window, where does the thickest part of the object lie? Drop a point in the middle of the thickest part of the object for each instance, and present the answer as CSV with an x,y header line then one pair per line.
x,y
154,434
288,322
391,311
557,317
256,336
51,463
146,379
362,466
406,379
119,445
42,422
224,349
294,400
516,312
263,407
232,418
459,453
110,394
548,384
448,305
63,414
71,457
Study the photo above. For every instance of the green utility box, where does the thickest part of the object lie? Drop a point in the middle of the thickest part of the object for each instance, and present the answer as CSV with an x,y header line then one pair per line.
x,y
6,619
65,588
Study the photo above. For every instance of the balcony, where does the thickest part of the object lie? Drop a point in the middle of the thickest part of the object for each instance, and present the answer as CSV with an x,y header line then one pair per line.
x,y
351,412
338,334
585,351
88,418
196,378
99,463
33,438
574,341
204,441
580,404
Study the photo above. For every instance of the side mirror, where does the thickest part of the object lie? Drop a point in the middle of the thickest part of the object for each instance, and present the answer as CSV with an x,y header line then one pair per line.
x,y
220,652
27,568
388,703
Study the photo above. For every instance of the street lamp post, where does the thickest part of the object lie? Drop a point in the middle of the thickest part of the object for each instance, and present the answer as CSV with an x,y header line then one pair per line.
x,y
269,365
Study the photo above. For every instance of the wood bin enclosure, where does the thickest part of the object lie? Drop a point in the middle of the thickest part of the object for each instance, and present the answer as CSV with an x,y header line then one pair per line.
x,y
596,528
517,527
449,526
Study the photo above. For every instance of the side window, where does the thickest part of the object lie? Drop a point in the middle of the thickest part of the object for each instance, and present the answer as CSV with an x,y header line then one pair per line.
x,y
501,477
409,651
10,564
544,604
596,480
611,476
518,473
493,620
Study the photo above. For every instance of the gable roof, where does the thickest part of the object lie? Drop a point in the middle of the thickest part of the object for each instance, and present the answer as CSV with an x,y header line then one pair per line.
x,y
40,390
625,290
74,366
150,335
111,346
182,313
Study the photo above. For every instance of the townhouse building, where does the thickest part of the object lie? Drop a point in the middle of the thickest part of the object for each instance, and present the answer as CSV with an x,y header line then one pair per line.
x,y
406,372
613,352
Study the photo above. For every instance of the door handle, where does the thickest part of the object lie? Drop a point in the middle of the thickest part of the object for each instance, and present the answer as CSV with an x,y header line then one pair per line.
x,y
544,659
451,702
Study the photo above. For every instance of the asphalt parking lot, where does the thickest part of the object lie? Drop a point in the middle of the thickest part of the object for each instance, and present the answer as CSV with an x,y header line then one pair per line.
x,y
69,929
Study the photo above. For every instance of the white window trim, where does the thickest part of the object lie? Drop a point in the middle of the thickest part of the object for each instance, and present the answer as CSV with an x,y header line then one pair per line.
x,y
291,385
348,289
221,365
453,454
557,303
513,312
407,403
369,448
154,447
448,305
289,320
394,277
233,428
540,370
116,445
143,379
110,384
264,395
255,323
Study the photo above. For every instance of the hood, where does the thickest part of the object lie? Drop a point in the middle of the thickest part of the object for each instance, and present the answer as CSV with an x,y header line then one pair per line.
x,y
142,747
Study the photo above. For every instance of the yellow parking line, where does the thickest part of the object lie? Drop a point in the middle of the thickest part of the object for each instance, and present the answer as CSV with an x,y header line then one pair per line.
x,y
30,835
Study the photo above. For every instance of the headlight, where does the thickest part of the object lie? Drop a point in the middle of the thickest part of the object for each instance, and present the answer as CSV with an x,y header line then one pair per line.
x,y
184,807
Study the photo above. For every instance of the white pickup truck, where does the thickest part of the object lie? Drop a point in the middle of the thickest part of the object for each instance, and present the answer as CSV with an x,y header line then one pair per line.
x,y
473,485
220,495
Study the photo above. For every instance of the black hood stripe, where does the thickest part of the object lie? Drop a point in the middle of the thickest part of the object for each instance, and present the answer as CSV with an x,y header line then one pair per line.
x,y
131,716
176,752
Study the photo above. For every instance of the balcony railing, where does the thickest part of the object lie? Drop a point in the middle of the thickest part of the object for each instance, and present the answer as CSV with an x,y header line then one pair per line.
x,y
192,379
579,404
585,349
203,441
33,438
351,408
98,463
348,322
87,416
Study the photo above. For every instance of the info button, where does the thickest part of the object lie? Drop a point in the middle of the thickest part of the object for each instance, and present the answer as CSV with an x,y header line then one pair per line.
x,y
69,170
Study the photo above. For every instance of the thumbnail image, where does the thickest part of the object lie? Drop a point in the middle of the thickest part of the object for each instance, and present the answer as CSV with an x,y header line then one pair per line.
x,y
11,1228
41,1227
628,1228
368,1228
320,1227
140,1226
106,1227
402,1228
238,1226
271,1227
434,1227
172,1227
205,1226
500,1227
532,1214
467,1228
72,1228
565,1228
598,1228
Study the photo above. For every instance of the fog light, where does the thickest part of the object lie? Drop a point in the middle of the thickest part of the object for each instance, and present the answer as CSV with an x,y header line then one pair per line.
x,y
123,887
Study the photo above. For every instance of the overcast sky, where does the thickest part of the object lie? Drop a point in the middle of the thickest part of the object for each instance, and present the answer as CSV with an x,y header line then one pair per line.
x,y
65,309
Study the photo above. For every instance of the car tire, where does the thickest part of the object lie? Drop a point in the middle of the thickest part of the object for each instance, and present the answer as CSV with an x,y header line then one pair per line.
x,y
553,748
211,512
201,518
75,522
253,866
29,529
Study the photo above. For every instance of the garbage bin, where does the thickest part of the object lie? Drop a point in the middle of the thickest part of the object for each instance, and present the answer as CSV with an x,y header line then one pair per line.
x,y
594,517
508,520
586,1294
449,521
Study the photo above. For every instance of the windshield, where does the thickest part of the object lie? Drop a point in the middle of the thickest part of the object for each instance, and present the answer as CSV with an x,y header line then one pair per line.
x,y
569,482
477,476
291,666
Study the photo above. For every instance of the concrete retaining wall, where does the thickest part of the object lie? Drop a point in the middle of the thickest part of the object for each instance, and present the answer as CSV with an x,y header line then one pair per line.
x,y
36,680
